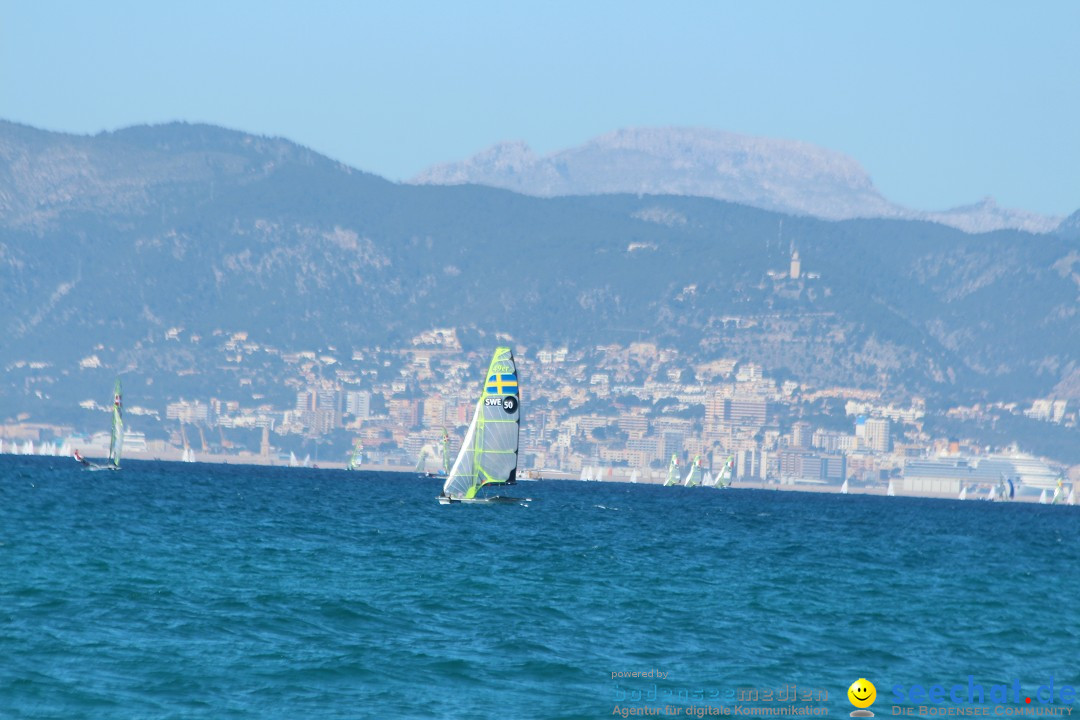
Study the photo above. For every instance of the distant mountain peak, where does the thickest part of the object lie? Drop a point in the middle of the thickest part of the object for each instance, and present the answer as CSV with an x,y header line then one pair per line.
x,y
787,176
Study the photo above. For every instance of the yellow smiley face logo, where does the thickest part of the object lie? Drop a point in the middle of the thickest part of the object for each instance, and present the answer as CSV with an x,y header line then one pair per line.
x,y
862,693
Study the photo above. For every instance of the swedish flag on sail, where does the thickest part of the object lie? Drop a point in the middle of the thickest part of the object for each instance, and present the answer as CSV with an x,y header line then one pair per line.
x,y
501,384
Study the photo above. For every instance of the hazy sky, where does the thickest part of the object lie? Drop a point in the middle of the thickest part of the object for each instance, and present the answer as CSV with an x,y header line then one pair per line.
x,y
942,102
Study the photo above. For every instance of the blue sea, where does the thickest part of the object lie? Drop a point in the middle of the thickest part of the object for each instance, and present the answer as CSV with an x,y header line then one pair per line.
x,y
173,590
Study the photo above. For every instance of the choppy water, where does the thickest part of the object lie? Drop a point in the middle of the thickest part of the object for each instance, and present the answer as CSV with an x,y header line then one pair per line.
x,y
172,590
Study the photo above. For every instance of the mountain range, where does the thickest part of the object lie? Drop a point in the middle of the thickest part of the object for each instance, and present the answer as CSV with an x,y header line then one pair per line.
x,y
108,242
781,175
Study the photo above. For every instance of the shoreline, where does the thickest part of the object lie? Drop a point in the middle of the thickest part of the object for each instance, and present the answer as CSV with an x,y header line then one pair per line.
x,y
254,460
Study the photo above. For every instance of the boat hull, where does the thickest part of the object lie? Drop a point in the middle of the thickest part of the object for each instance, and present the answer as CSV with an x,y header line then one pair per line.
x,y
493,500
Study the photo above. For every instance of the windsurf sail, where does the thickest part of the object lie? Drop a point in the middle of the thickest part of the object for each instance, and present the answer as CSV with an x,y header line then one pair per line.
x,y
357,456
116,443
489,453
444,444
693,478
673,471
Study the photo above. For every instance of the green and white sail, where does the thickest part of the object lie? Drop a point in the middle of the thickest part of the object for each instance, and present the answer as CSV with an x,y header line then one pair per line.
x,y
673,471
693,478
723,477
116,443
489,453
357,457
444,445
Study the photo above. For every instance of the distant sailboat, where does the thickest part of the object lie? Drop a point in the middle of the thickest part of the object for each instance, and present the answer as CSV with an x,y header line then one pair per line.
x,y
307,460
693,478
357,457
633,476
992,494
1042,497
444,448
891,492
673,476
489,452
1071,500
1059,493
422,460
963,493
723,478
292,459
116,440
844,488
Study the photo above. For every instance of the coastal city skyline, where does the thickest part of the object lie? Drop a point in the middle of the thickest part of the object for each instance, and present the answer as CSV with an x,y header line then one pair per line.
x,y
606,412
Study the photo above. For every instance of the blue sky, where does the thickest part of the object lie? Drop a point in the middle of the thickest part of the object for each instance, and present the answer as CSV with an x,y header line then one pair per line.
x,y
942,102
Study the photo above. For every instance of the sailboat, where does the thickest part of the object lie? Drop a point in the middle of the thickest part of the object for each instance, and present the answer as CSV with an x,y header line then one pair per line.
x,y
356,457
672,471
723,478
633,476
116,441
844,487
444,447
489,453
422,460
693,478
891,492
1071,500
963,493
292,459
1042,497
1059,493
